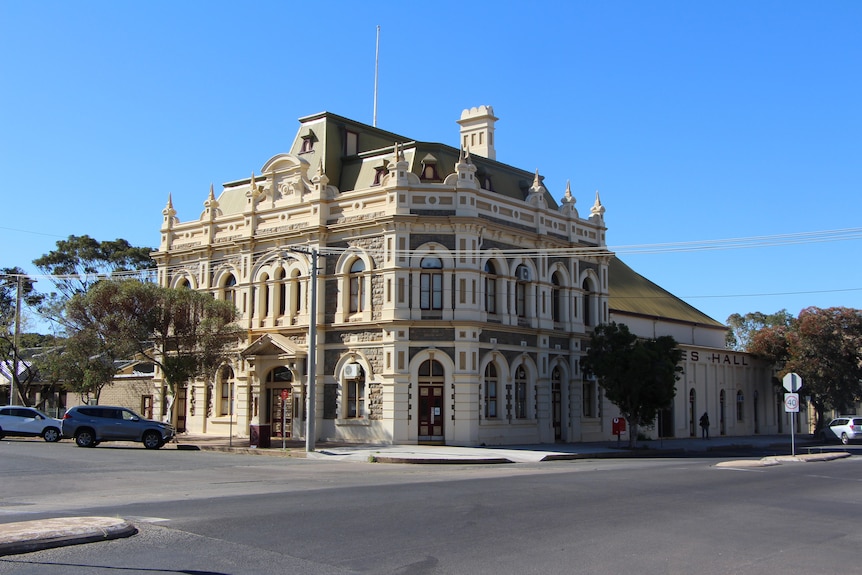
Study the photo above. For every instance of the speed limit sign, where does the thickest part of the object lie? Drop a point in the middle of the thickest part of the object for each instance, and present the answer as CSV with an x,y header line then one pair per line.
x,y
791,402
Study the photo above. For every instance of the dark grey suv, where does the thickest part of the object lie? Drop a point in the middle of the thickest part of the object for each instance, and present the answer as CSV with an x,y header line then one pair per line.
x,y
90,425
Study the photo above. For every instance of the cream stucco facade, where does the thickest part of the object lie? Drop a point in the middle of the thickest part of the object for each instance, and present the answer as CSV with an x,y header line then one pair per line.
x,y
454,296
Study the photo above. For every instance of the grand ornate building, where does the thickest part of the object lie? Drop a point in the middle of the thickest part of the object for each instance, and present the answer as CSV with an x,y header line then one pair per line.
x,y
452,300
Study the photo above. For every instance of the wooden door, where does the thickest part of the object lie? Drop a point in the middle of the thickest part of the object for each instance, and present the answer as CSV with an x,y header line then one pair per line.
x,y
431,422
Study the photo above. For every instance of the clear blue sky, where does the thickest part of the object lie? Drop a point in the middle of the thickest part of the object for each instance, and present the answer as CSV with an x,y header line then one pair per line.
x,y
694,120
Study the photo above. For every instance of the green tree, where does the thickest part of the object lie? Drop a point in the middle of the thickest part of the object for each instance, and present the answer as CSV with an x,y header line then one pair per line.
x,y
638,375
186,333
99,335
823,346
741,328
10,322
80,261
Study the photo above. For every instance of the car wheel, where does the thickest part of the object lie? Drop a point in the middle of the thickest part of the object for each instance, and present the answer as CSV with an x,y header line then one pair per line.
x,y
85,438
51,434
152,440
844,439
1,433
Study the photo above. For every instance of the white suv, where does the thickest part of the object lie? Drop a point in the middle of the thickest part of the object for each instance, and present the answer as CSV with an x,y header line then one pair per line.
x,y
28,421
844,428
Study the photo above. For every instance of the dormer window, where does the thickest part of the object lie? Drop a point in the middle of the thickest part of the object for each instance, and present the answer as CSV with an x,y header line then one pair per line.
x,y
429,168
378,175
308,142
351,143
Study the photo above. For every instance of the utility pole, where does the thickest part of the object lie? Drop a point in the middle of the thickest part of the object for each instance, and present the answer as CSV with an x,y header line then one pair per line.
x,y
310,402
311,412
13,377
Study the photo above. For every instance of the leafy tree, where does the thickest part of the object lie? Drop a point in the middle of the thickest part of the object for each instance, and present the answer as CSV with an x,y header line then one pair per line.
x,y
741,328
824,346
638,375
186,333
80,261
98,336
10,349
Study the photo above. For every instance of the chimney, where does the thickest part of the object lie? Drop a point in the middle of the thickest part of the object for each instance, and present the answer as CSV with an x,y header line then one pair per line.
x,y
477,131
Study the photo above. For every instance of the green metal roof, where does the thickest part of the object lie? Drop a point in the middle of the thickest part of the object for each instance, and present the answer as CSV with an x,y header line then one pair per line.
x,y
632,293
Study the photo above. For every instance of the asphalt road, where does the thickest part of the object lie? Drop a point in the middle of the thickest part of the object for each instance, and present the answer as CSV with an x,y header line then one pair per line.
x,y
227,514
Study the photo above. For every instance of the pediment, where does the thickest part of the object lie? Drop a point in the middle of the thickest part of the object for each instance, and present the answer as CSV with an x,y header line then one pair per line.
x,y
273,345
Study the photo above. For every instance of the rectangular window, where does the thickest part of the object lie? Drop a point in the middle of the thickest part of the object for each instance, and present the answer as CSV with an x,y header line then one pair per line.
x,y
491,295
491,399
351,143
588,400
520,399
355,399
225,398
431,291
521,299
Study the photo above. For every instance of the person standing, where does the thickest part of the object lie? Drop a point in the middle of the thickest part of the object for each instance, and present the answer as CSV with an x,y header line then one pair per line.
x,y
704,425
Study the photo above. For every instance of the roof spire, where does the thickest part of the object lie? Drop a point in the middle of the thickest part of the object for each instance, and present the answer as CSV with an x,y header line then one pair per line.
x,y
598,209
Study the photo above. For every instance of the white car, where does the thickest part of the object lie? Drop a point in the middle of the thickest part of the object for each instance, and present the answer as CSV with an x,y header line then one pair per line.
x,y
845,429
29,422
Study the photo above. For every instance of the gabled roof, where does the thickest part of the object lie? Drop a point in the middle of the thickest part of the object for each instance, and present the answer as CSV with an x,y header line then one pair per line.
x,y
272,344
632,293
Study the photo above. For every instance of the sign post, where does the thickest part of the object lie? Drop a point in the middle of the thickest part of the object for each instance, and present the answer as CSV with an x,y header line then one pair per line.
x,y
792,383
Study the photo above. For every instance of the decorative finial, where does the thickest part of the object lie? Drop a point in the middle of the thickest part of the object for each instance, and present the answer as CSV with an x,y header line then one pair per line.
x,y
569,198
598,209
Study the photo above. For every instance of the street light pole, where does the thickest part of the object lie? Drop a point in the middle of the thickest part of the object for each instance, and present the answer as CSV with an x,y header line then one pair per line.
x,y
310,411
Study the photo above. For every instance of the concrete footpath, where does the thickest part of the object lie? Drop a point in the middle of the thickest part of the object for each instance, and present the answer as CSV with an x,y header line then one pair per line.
x,y
27,536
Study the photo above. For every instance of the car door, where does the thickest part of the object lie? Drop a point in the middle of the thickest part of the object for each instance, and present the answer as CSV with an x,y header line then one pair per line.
x,y
28,421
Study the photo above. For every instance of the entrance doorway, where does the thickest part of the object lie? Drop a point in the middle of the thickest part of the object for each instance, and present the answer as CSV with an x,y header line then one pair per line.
x,y
281,408
281,412
431,413
181,409
432,422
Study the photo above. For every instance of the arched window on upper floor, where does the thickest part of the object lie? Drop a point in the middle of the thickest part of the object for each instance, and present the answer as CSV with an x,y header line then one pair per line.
x,y
589,302
556,298
431,283
357,286
229,288
490,288
522,282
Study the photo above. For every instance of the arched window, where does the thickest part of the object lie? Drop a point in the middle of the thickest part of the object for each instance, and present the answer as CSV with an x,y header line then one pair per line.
x,y
431,284
226,391
588,303
520,393
263,292
282,291
184,284
556,298
229,286
722,429
522,278
491,391
355,385
490,288
357,293
740,406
